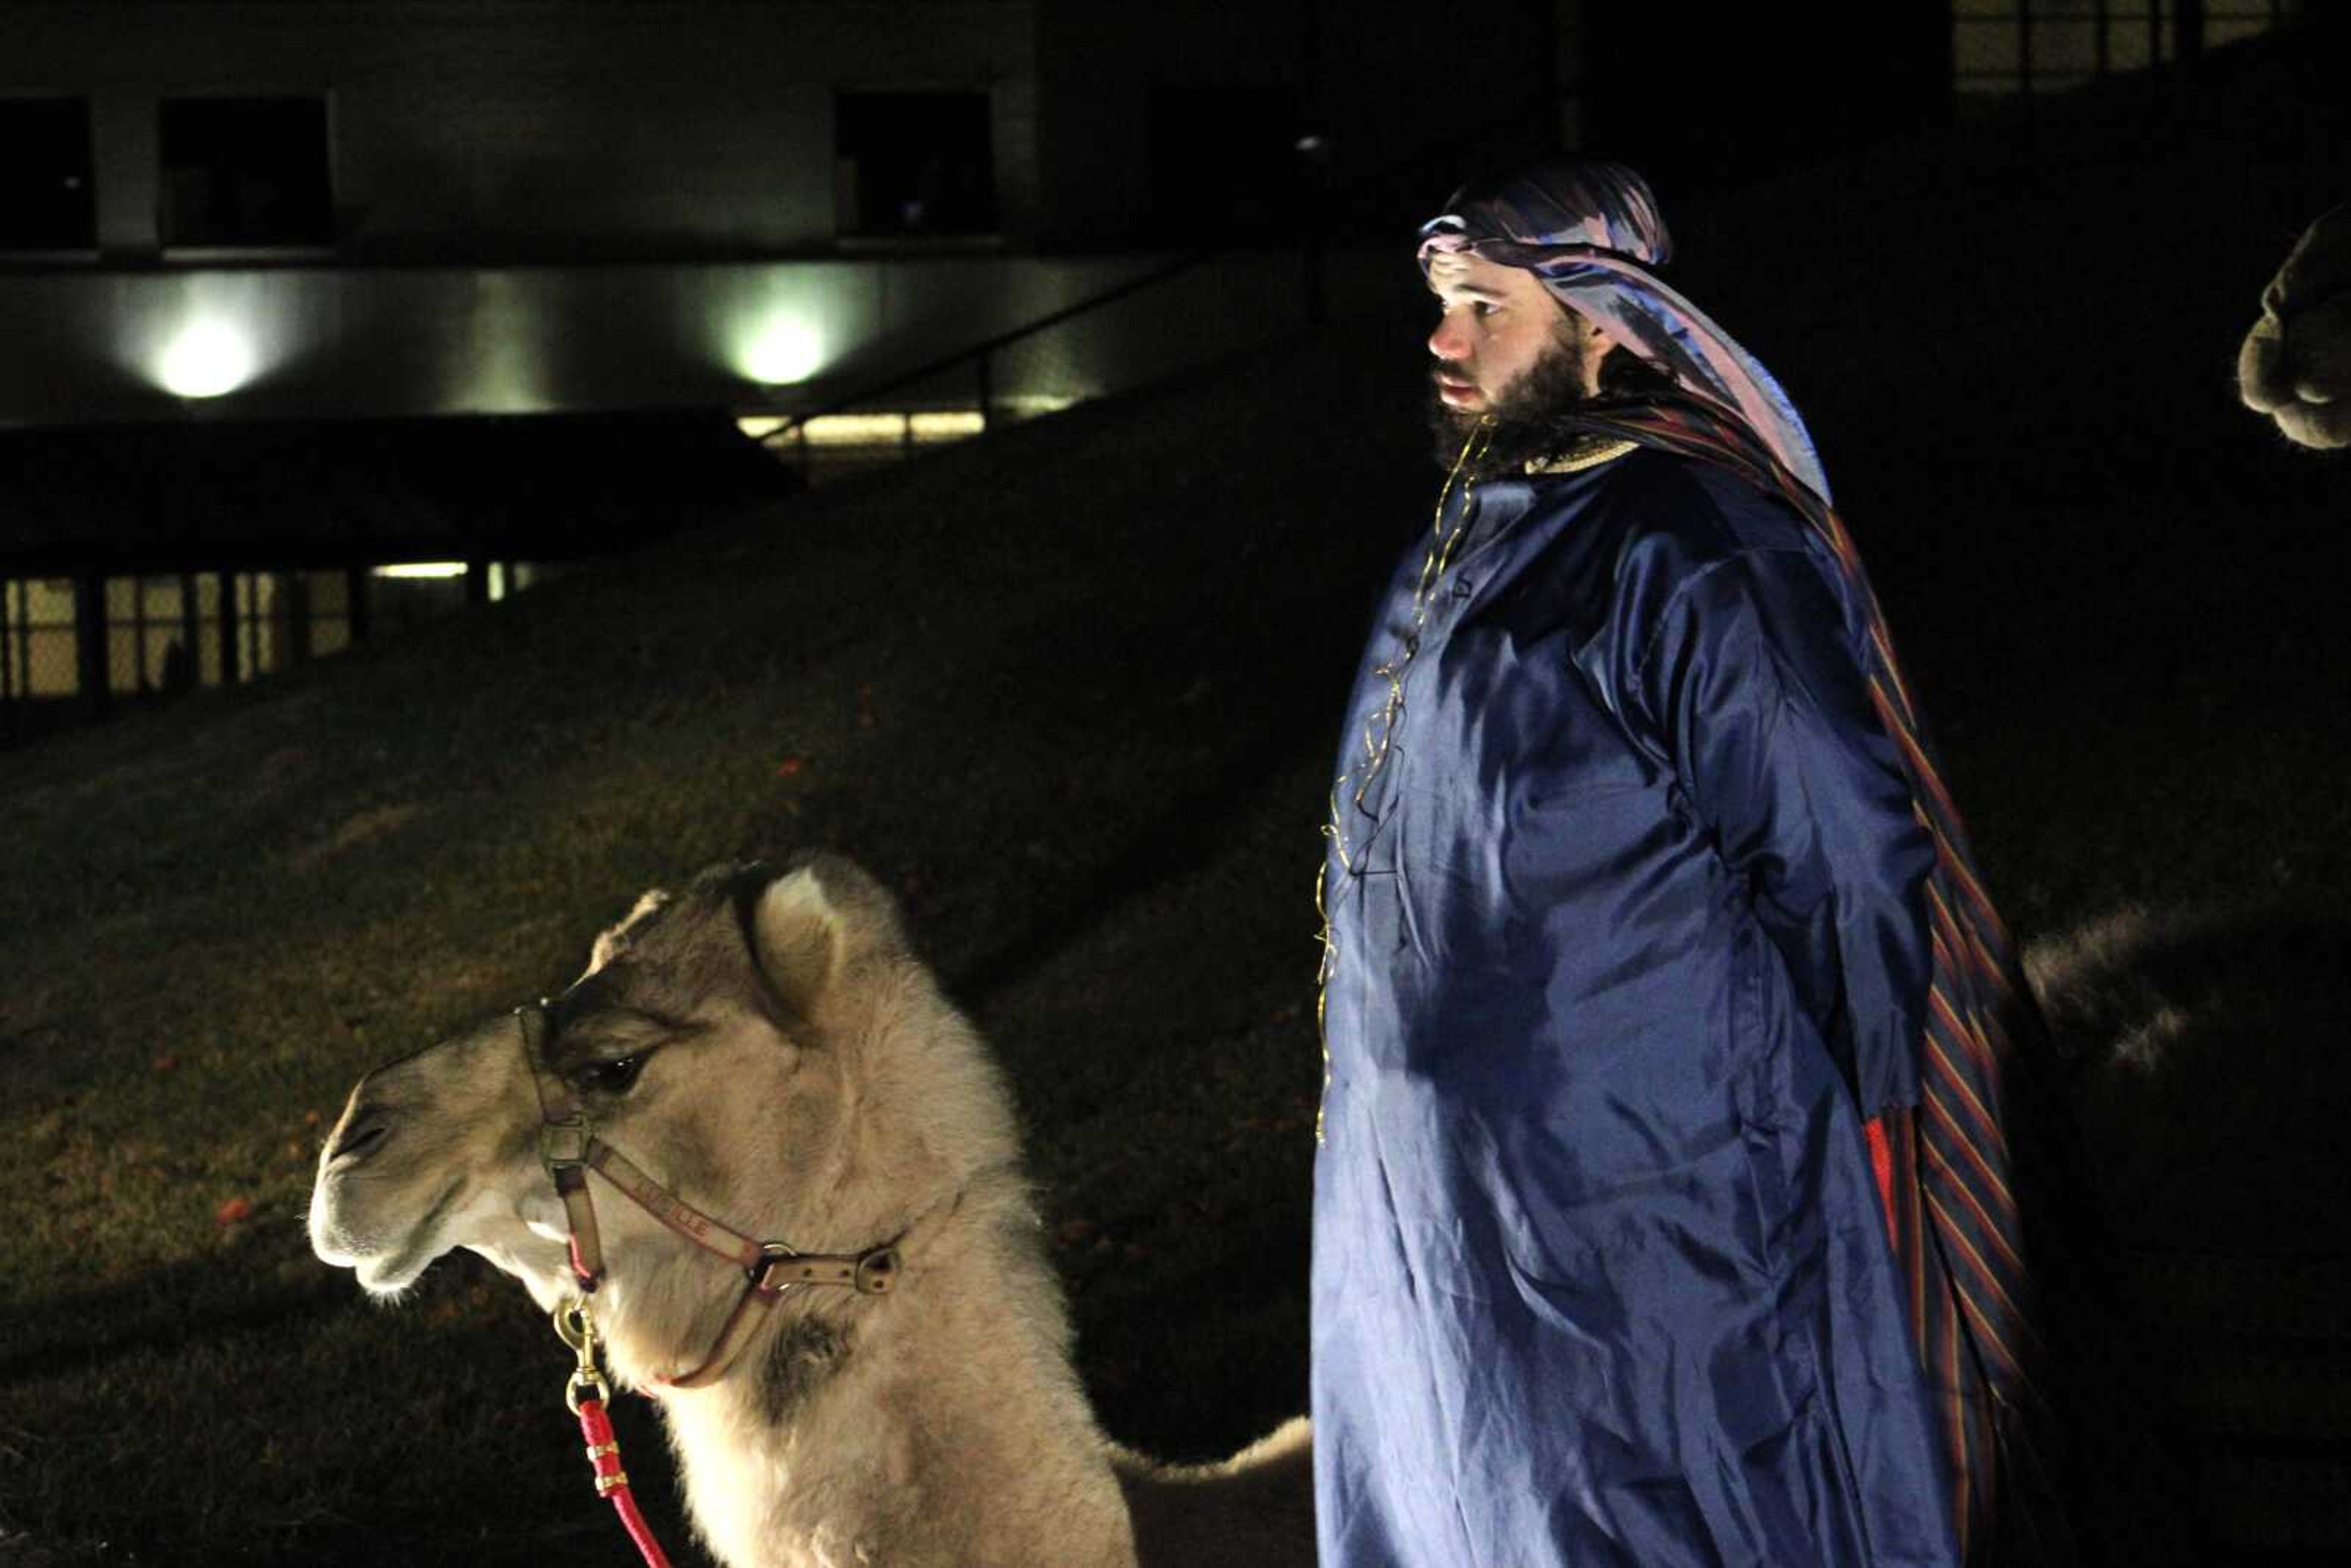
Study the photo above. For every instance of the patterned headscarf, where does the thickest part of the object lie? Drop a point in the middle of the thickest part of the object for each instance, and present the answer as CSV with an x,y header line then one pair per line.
x,y
1593,232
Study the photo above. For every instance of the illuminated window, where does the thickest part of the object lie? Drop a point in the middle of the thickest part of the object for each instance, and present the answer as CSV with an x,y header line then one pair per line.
x,y
37,639
151,639
279,618
913,164
45,195
209,642
405,593
246,172
327,600
2002,48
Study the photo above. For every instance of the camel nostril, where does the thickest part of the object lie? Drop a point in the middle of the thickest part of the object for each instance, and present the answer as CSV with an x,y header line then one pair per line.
x,y
357,1141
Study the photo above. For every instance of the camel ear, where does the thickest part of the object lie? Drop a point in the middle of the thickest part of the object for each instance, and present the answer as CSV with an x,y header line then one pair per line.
x,y
813,921
796,938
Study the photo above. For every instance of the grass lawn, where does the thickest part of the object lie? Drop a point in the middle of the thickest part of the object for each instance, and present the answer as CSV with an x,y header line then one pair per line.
x,y
1072,691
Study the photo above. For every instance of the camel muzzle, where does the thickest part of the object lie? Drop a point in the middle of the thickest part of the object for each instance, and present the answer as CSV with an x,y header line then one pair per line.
x,y
359,1139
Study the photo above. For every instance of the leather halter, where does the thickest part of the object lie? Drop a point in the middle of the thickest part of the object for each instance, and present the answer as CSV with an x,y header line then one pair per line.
x,y
568,1149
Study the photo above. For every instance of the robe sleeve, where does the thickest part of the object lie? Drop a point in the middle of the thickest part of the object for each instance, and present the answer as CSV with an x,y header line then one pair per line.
x,y
1752,686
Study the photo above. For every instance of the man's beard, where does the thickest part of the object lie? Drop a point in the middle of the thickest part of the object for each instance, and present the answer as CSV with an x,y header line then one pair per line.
x,y
1531,418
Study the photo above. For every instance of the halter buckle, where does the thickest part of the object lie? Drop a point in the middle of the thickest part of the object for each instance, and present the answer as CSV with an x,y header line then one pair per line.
x,y
877,1271
563,1144
771,1255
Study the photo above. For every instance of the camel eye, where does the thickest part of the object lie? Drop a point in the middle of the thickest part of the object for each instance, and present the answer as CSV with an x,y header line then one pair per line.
x,y
614,1077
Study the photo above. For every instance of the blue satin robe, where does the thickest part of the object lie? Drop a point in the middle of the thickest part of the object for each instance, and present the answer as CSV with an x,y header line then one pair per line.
x,y
1628,937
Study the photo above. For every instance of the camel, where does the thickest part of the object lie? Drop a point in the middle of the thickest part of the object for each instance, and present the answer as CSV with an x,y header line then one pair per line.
x,y
2295,362
2207,1071
767,1049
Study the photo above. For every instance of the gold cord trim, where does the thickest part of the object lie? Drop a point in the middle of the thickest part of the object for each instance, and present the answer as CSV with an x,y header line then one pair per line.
x,y
1377,730
1589,453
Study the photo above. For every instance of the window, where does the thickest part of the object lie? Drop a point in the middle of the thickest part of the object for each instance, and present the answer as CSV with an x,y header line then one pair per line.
x,y
46,197
913,164
168,635
2001,47
37,639
279,618
150,643
246,172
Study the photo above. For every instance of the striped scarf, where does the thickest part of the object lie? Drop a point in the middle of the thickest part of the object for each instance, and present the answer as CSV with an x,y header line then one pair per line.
x,y
1946,1168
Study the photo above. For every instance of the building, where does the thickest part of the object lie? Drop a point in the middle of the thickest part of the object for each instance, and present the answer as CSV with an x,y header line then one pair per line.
x,y
279,224
325,224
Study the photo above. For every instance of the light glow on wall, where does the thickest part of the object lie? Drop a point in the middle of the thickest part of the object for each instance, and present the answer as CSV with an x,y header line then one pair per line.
x,y
499,361
206,358
779,349
423,569
945,425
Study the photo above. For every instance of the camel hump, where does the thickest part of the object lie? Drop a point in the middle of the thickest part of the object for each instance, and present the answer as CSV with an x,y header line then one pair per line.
x,y
1254,1509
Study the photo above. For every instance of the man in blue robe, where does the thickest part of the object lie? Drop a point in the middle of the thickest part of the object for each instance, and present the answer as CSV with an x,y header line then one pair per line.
x,y
1662,1213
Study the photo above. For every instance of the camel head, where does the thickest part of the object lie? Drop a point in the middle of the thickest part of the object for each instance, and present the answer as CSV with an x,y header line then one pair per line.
x,y
2296,363
763,1046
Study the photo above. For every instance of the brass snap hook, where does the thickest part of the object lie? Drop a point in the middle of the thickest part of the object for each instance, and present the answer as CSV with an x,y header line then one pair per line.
x,y
575,1325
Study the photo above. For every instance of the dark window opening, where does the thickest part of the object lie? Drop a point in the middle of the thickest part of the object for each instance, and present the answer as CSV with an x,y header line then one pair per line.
x,y
246,172
914,164
47,196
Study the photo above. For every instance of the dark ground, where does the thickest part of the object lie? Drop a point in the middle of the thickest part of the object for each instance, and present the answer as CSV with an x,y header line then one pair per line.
x,y
1072,690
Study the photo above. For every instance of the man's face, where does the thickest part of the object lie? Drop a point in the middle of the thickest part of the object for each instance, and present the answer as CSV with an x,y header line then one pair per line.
x,y
1509,355
1498,323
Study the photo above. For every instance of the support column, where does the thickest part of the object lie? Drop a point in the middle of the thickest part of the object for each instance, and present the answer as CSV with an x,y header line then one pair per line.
x,y
226,627
90,647
294,614
356,582
191,632
8,699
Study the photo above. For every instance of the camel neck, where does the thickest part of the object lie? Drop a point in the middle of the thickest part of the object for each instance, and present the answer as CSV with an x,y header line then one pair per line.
x,y
956,1391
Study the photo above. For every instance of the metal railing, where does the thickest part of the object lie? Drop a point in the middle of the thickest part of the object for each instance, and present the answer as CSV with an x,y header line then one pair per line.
x,y
1532,119
790,437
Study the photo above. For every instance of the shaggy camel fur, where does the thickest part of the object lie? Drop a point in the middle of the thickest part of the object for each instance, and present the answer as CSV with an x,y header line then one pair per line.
x,y
768,1048
2208,1074
2295,364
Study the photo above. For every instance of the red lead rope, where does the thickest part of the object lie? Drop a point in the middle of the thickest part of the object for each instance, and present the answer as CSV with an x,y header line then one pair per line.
x,y
586,1395
613,1481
